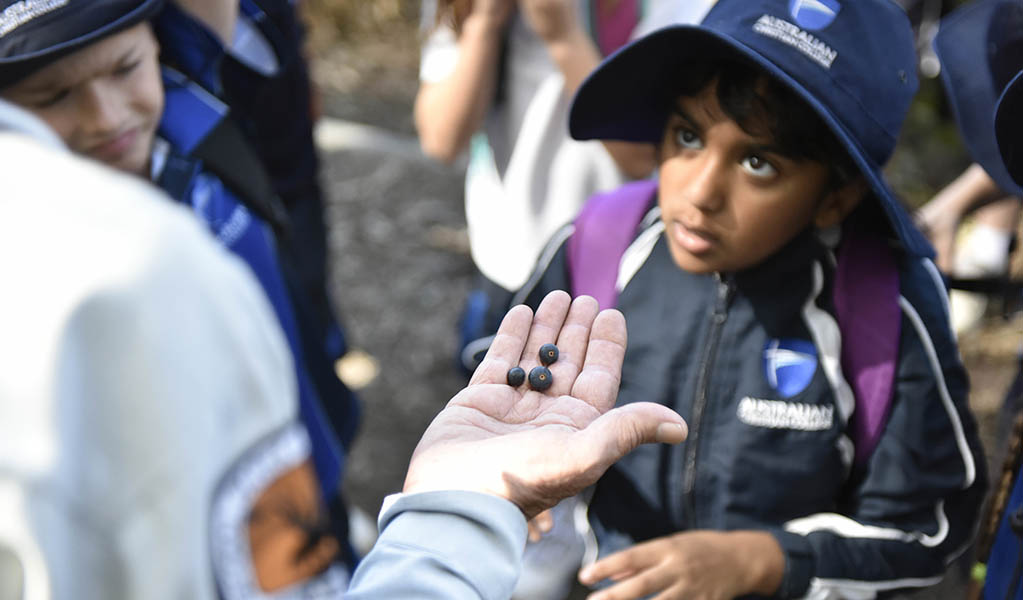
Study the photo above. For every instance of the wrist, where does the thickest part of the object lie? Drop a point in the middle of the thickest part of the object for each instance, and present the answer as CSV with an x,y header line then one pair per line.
x,y
764,559
570,45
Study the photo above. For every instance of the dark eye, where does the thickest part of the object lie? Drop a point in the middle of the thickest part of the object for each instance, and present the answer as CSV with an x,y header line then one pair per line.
x,y
686,138
126,69
51,99
759,166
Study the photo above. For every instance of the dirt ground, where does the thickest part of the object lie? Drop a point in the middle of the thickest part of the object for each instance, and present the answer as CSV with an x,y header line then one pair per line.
x,y
400,266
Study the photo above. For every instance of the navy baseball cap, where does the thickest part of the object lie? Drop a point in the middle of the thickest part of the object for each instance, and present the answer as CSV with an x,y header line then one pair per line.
x,y
1009,127
852,61
981,49
34,33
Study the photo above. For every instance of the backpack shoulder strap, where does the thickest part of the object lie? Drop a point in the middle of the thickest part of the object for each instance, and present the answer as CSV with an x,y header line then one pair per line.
x,y
866,298
603,231
199,125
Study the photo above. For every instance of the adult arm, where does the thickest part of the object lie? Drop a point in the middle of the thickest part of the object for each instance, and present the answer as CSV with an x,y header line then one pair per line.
x,y
512,448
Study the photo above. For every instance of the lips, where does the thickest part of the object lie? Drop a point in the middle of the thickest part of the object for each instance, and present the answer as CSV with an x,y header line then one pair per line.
x,y
692,239
115,146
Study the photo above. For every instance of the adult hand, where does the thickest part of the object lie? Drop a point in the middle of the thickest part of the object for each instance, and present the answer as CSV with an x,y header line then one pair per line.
x,y
693,564
551,20
535,448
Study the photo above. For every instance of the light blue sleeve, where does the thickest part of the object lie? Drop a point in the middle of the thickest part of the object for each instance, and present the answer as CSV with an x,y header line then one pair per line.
x,y
443,545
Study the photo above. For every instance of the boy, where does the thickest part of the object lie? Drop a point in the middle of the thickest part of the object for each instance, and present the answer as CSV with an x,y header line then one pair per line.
x,y
90,70
773,120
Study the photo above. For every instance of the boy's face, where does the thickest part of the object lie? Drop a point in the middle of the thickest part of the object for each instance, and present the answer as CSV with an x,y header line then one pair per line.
x,y
104,100
728,199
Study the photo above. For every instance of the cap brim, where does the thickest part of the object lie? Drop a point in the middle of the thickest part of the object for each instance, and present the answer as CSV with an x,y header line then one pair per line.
x,y
13,69
961,46
627,98
1009,128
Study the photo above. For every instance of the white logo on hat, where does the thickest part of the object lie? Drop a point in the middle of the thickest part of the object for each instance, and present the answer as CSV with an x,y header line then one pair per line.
x,y
790,34
814,14
19,13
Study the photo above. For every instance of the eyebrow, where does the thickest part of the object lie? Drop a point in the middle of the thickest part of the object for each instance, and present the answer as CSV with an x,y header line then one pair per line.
x,y
756,145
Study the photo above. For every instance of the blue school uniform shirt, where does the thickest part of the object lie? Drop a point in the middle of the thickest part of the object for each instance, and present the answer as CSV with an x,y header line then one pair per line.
x,y
190,113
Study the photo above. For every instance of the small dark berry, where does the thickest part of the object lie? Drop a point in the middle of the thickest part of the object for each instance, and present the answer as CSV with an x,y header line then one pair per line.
x,y
548,354
540,378
516,375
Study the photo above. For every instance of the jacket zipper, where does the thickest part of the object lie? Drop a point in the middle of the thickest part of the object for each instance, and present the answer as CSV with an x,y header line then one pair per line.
x,y
717,321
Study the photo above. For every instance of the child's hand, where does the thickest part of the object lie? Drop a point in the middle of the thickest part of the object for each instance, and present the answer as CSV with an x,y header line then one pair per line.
x,y
551,20
540,525
692,564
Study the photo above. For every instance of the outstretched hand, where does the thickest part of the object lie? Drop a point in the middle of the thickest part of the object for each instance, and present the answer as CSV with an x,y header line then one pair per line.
x,y
535,448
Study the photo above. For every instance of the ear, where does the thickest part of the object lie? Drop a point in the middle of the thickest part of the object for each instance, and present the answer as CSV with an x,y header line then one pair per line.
x,y
837,204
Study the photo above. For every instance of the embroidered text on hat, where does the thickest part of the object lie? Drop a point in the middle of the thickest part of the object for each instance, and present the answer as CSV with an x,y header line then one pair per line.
x,y
18,14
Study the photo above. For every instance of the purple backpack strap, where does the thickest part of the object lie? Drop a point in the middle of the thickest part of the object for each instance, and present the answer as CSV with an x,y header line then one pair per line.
x,y
603,231
866,296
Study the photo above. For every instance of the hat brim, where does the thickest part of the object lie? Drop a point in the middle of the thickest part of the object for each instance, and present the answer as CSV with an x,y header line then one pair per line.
x,y
15,68
1009,128
627,98
961,46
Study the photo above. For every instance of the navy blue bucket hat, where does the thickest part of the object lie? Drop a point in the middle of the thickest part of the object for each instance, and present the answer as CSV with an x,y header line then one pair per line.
x,y
981,49
1009,127
852,61
34,33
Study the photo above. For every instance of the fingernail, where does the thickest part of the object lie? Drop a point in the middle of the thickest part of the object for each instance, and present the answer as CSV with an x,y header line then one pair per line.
x,y
671,433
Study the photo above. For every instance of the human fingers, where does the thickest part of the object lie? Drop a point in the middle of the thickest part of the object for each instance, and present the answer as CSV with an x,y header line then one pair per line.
x,y
540,525
600,376
609,437
635,572
547,323
572,342
506,348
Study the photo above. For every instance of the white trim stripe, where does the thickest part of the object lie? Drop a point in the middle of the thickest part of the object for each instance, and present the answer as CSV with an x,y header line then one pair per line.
x,y
828,339
946,398
848,528
637,253
847,589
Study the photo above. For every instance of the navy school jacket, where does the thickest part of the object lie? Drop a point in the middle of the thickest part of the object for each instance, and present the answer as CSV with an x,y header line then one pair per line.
x,y
751,361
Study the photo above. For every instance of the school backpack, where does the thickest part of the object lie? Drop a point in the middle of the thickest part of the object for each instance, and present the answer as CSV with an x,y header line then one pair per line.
x,y
865,295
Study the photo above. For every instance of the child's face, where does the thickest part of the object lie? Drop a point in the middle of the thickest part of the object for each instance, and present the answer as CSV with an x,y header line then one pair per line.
x,y
728,199
104,100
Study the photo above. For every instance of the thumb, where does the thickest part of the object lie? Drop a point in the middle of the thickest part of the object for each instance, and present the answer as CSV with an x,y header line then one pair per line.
x,y
620,430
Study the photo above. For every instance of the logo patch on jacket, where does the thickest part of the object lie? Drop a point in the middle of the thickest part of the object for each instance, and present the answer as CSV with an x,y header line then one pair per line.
x,y
814,14
789,365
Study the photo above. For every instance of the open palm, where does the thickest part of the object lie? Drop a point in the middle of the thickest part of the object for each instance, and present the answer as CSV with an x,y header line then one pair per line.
x,y
534,448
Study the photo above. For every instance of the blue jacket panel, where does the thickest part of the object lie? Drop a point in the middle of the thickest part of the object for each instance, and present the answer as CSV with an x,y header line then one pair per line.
x,y
751,360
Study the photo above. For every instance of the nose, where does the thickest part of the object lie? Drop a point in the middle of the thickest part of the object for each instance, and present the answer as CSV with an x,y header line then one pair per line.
x,y
100,110
705,182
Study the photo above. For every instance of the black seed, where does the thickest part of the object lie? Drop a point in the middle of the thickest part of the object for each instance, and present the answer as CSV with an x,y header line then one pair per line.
x,y
540,378
548,354
516,375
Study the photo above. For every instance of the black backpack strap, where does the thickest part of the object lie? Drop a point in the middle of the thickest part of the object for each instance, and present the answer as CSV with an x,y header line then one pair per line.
x,y
226,153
